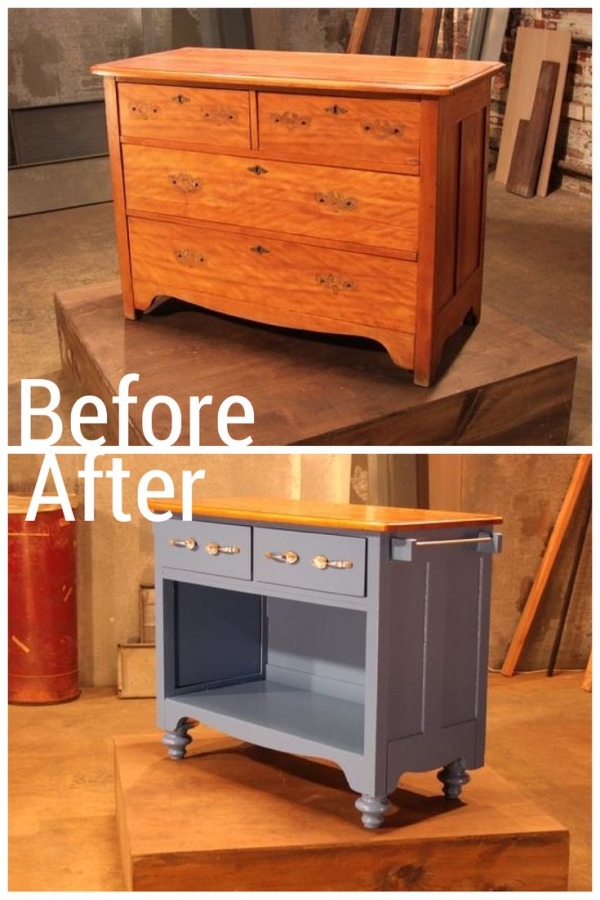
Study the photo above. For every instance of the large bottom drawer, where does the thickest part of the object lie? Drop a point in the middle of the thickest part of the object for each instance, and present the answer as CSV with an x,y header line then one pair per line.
x,y
275,281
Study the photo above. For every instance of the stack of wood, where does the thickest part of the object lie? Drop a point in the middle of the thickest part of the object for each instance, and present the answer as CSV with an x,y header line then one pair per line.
x,y
533,106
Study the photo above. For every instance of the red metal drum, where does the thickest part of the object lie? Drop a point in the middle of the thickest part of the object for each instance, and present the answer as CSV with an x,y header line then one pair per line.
x,y
42,605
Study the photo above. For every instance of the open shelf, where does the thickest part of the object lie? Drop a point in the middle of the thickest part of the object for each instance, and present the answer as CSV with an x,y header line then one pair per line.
x,y
312,716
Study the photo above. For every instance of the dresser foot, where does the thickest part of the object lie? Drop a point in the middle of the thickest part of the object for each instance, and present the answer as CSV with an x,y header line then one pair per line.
x,y
177,740
373,810
453,776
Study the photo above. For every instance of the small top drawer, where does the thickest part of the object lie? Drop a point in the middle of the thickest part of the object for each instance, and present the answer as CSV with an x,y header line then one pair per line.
x,y
357,132
211,548
218,118
316,562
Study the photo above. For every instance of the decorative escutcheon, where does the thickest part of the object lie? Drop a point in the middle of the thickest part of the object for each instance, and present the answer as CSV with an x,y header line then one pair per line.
x,y
335,284
185,182
144,110
183,543
181,99
288,556
336,110
258,248
220,115
381,128
213,549
189,258
291,120
258,170
321,562
336,201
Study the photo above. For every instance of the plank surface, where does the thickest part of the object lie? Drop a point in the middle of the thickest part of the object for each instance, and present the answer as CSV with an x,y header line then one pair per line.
x,y
245,818
309,71
533,45
355,517
309,389
359,29
532,134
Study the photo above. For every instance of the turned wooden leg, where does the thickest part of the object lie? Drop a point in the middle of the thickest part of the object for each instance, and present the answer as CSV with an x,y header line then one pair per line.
x,y
453,776
373,810
178,739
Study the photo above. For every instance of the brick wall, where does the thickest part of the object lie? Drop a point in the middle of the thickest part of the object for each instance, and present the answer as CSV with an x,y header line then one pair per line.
x,y
573,154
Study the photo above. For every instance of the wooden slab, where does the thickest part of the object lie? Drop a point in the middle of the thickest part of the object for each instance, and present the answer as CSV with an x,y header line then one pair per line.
x,y
507,385
236,817
532,46
532,135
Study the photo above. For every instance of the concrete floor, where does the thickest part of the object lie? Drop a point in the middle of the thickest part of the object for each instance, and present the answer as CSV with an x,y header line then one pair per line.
x,y
62,828
538,271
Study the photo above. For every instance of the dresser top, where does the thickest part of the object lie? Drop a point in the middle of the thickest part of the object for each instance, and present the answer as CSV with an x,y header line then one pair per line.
x,y
353,517
283,70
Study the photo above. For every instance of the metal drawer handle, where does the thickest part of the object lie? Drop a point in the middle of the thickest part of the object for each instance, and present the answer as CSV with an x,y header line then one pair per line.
x,y
474,540
184,543
213,549
321,562
288,556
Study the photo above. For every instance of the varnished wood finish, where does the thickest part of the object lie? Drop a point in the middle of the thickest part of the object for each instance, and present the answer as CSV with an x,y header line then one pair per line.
x,y
188,115
381,158
348,130
509,385
325,289
370,208
301,71
276,822
111,105
351,516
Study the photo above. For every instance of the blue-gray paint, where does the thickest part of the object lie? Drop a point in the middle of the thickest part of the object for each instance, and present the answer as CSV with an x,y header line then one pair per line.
x,y
381,668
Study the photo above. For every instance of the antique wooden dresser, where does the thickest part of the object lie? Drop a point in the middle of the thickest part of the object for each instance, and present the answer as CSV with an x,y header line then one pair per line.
x,y
337,193
351,633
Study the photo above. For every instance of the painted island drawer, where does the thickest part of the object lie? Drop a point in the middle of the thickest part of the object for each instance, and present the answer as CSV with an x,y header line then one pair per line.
x,y
347,131
216,117
211,548
331,563
194,263
371,208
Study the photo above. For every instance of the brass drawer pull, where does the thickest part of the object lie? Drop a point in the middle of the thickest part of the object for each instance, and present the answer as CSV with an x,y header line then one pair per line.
x,y
338,202
213,549
321,562
183,543
288,556
185,182
180,98
258,248
258,170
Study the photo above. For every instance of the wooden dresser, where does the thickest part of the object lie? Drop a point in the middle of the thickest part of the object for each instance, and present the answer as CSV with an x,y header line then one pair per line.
x,y
357,634
337,193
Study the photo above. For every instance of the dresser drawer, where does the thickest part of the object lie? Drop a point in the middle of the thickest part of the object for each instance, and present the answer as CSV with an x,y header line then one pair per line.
x,y
372,208
218,118
331,563
347,131
270,280
211,548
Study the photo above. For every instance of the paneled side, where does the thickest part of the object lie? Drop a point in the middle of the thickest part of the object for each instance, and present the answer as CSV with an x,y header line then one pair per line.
x,y
470,196
446,238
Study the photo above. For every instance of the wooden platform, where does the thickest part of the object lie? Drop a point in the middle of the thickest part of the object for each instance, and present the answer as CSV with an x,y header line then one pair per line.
x,y
507,385
236,817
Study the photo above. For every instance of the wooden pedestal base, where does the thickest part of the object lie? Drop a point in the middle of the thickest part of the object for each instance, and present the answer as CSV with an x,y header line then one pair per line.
x,y
507,385
233,817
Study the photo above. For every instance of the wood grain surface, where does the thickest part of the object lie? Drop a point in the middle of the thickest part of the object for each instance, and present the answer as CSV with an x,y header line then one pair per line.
x,y
308,71
244,818
354,517
309,389
532,134
371,208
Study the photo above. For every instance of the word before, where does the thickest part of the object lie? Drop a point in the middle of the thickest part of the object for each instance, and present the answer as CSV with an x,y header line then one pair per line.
x,y
91,410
